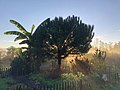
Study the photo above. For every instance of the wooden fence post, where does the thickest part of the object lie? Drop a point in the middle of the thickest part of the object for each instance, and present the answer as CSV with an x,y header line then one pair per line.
x,y
81,85
109,73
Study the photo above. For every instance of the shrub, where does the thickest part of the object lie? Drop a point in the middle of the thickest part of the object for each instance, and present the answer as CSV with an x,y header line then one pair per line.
x,y
71,76
20,66
6,82
43,78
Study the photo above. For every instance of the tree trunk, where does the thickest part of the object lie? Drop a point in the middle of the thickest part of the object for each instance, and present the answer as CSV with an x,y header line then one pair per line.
x,y
59,66
59,62
59,58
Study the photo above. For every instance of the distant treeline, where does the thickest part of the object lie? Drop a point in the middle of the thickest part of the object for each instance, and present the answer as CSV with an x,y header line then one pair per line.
x,y
109,47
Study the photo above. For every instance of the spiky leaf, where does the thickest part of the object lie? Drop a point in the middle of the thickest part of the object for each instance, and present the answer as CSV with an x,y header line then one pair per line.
x,y
33,26
20,38
41,25
14,33
20,27
25,42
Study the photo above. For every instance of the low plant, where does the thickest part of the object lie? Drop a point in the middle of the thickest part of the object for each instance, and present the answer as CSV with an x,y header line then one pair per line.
x,y
6,83
71,76
43,78
20,66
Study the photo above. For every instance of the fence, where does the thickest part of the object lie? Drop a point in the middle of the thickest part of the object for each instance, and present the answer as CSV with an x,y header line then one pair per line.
x,y
4,72
66,85
108,73
112,74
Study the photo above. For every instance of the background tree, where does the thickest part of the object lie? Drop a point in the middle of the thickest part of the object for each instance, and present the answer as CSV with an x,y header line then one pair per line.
x,y
12,51
64,36
100,55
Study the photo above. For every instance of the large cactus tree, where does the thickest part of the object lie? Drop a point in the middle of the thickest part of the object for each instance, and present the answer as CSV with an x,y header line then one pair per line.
x,y
64,36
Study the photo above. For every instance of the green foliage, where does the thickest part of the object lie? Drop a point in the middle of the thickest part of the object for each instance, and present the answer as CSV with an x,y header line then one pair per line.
x,y
21,28
55,38
20,66
43,78
71,76
32,52
33,26
115,86
21,35
8,84
4,83
61,37
99,67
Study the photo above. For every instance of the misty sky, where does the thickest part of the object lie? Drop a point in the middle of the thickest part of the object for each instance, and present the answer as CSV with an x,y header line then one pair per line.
x,y
103,14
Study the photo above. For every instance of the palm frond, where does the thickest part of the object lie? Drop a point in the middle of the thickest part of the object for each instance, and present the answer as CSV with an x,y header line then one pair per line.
x,y
20,27
13,33
24,48
33,26
20,37
41,27
25,42
44,22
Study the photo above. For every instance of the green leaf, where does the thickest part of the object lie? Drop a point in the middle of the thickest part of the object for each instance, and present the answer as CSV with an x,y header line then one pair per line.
x,y
25,42
24,48
19,38
14,33
20,27
40,30
43,23
33,26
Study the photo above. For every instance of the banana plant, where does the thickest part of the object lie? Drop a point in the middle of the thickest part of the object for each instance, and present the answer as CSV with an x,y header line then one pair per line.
x,y
23,34
29,38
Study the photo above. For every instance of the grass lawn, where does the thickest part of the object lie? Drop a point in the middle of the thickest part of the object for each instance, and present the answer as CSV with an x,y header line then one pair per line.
x,y
95,83
5,83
